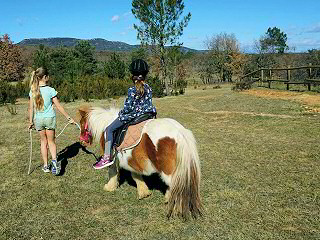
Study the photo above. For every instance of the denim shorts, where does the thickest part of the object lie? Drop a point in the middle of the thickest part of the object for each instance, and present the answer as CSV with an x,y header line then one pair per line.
x,y
48,123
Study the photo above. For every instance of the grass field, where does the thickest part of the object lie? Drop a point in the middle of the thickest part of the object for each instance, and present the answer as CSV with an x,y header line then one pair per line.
x,y
259,154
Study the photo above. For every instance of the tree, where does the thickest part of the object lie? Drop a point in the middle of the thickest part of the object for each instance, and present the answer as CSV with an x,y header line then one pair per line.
x,y
177,70
224,56
162,24
115,67
139,53
41,58
274,41
314,59
263,58
62,66
84,56
11,65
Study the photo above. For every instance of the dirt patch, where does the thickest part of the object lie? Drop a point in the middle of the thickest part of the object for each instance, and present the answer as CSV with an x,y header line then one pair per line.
x,y
250,113
311,102
226,113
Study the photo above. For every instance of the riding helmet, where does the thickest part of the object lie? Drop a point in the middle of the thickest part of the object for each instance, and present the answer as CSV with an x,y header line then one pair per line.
x,y
139,67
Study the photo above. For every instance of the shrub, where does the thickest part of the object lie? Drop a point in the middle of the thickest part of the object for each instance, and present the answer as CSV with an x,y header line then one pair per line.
x,y
115,68
157,86
117,87
240,86
12,109
67,92
8,93
22,89
180,86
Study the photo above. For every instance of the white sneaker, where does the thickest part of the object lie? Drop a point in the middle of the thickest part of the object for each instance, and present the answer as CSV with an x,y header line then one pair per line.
x,y
46,169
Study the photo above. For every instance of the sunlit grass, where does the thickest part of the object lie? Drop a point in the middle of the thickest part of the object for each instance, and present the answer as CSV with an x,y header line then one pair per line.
x,y
260,176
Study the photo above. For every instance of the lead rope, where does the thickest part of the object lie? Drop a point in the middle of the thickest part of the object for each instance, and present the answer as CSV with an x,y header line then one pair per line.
x,y
30,131
56,137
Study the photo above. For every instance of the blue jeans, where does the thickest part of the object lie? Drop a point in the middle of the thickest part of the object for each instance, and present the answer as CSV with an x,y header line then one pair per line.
x,y
108,135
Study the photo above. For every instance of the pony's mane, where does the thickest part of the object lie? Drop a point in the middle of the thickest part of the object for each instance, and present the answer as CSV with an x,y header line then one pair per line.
x,y
100,118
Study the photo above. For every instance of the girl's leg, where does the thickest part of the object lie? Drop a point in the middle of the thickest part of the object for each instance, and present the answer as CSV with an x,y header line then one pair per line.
x,y
106,160
44,144
108,135
52,143
107,143
56,166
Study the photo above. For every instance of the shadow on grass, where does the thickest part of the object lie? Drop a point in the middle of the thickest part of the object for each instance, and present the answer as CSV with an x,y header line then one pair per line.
x,y
154,182
70,152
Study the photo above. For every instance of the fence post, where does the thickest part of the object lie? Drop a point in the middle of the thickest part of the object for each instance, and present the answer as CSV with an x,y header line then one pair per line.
x,y
288,73
261,74
309,70
270,73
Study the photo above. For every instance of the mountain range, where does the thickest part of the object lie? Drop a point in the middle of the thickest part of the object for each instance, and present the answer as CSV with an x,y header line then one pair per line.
x,y
99,43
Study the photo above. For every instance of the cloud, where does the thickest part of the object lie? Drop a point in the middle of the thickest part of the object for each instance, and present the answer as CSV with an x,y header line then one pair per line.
x,y
127,14
115,18
130,28
305,43
192,37
294,31
314,29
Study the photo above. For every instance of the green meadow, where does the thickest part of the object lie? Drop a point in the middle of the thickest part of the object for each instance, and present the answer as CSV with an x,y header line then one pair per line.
x,y
259,164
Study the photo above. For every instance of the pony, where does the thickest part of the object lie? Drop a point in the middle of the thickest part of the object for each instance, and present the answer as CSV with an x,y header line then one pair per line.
x,y
165,148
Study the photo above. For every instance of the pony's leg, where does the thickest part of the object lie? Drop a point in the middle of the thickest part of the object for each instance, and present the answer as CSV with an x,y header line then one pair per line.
x,y
113,179
167,196
143,190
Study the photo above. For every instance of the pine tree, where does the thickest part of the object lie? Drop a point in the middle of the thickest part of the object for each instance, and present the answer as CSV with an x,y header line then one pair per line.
x,y
161,24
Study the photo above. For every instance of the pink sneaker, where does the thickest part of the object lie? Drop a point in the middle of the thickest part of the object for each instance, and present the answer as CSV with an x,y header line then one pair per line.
x,y
105,161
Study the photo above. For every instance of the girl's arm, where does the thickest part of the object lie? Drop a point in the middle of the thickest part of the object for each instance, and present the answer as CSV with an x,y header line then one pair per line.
x,y
56,102
30,109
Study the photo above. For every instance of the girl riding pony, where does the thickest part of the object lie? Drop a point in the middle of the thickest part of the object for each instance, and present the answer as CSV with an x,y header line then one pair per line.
x,y
138,102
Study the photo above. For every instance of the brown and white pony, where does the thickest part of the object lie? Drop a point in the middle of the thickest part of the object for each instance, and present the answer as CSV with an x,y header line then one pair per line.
x,y
166,148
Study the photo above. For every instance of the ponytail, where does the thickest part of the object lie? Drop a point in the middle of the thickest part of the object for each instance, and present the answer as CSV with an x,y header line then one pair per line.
x,y
36,76
138,83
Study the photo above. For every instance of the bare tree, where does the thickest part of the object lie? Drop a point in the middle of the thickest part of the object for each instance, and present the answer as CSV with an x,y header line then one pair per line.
x,y
224,56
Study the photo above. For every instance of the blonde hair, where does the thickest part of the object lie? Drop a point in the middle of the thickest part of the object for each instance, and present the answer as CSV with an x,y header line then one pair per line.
x,y
138,83
36,76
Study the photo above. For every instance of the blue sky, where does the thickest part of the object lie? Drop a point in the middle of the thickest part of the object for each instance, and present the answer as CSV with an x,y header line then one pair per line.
x,y
113,20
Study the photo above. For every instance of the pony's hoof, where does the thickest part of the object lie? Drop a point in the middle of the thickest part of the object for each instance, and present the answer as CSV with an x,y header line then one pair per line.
x,y
144,194
110,187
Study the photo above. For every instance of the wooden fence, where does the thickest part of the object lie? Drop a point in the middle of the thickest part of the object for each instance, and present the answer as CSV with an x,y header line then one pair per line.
x,y
267,75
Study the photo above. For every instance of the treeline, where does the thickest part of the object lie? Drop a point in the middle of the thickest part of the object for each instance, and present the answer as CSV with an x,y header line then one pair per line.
x,y
225,62
81,72
74,72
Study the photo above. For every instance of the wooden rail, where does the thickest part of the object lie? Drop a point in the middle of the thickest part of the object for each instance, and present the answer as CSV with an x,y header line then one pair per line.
x,y
260,75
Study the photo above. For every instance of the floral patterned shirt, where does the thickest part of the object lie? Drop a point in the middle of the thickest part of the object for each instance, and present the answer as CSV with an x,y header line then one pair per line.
x,y
135,105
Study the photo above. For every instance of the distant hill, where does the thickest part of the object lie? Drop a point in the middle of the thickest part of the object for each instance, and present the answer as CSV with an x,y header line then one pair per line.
x,y
99,43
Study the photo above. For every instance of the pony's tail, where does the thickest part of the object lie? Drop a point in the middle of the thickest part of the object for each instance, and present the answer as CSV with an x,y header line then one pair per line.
x,y
185,185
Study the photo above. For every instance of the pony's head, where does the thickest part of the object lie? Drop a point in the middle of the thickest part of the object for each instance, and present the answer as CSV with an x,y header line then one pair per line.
x,y
85,134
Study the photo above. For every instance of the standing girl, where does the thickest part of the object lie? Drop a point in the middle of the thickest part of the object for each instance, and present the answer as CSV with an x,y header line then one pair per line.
x,y
138,102
43,117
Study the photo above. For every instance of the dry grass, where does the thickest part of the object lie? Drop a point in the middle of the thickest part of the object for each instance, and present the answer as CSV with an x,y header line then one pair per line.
x,y
260,175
